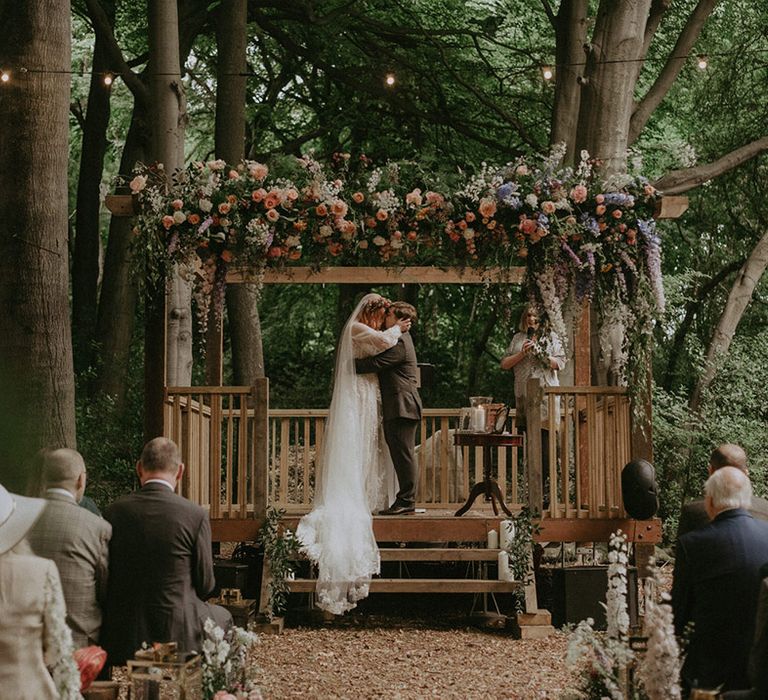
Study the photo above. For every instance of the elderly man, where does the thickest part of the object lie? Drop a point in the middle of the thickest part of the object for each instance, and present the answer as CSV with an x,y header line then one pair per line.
x,y
76,540
694,514
161,565
716,584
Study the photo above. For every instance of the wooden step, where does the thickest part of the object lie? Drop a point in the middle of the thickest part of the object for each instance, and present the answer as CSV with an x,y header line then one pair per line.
x,y
421,585
438,554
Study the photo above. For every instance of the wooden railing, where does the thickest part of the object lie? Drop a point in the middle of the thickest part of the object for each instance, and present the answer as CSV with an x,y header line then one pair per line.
x,y
446,473
240,456
578,473
222,434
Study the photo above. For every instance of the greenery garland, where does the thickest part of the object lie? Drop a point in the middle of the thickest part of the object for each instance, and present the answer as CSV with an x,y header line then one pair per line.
x,y
580,238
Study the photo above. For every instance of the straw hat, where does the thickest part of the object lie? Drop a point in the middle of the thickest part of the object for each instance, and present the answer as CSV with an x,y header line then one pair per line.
x,y
17,515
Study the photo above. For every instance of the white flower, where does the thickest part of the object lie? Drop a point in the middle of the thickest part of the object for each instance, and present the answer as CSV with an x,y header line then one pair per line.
x,y
379,240
216,165
205,205
179,217
531,200
292,241
325,231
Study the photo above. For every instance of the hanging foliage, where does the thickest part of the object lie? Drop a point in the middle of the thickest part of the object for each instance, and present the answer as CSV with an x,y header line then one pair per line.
x,y
580,238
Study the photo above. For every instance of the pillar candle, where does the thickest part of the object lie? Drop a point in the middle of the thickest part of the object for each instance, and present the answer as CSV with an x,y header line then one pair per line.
x,y
506,533
478,420
504,573
493,539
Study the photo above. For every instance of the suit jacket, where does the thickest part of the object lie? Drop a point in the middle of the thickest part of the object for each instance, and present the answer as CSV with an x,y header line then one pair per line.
x,y
398,378
716,583
78,541
161,569
694,514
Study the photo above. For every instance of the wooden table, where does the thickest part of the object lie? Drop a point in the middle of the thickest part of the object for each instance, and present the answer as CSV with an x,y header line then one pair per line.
x,y
489,487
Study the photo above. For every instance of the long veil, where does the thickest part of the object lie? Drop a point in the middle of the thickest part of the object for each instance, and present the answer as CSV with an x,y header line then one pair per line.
x,y
338,534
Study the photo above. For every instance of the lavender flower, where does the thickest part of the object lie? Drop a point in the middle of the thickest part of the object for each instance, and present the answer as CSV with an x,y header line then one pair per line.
x,y
652,246
571,254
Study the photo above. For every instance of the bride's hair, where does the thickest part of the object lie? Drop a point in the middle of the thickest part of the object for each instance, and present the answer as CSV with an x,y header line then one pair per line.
x,y
371,307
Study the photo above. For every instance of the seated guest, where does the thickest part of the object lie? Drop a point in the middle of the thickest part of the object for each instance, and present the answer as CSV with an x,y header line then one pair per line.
x,y
36,481
160,562
78,541
33,630
716,583
694,514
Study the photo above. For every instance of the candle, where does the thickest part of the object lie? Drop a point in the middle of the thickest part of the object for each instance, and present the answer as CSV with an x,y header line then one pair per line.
x,y
504,573
493,539
478,419
506,533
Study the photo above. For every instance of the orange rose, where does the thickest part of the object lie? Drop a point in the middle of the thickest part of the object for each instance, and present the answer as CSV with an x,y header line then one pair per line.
x,y
321,210
381,215
226,255
224,208
358,197
487,208
193,219
469,217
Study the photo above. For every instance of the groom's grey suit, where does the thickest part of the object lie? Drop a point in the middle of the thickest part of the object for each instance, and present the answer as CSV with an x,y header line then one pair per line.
x,y
401,407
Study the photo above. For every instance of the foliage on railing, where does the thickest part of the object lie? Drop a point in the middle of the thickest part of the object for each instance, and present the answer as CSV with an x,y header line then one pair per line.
x,y
280,550
580,237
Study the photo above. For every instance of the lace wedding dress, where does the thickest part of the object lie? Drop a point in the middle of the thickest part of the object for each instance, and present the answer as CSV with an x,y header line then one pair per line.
x,y
356,477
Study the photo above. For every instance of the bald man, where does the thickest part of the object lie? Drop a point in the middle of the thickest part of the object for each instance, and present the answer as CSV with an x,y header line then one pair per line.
x,y
694,514
77,540
716,584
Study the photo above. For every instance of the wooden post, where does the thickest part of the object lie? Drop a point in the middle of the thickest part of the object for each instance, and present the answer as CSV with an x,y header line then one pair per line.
x,y
260,478
533,467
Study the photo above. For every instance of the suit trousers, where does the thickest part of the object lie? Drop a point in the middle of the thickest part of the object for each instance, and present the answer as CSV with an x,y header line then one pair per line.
x,y
400,434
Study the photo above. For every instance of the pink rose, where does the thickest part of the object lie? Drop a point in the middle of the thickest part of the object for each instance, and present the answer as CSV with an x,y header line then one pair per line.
x,y
177,204
487,208
521,170
292,194
528,226
362,245
414,198
435,199
616,213
600,209
579,194
339,208
224,208
258,195
258,171
382,215
224,695
469,217
358,197
272,215
233,175
548,207
599,198
167,221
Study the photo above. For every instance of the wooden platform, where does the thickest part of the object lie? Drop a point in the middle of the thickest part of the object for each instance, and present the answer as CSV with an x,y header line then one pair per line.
x,y
440,526
419,585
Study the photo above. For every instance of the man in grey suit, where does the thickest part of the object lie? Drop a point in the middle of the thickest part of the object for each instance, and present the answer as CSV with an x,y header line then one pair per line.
x,y
401,406
161,564
694,514
76,540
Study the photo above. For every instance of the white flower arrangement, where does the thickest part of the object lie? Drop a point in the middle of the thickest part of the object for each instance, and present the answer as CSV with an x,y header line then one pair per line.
x,y
225,663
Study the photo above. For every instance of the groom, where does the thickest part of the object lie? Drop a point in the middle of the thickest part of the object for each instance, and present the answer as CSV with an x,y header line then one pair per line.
x,y
401,403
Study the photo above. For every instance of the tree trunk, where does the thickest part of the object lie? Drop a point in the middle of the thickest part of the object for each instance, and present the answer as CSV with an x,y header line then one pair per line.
x,y
85,257
242,300
609,81
117,302
738,300
160,344
570,36
37,396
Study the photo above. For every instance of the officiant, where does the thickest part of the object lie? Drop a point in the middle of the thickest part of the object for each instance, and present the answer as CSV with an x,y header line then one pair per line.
x,y
537,355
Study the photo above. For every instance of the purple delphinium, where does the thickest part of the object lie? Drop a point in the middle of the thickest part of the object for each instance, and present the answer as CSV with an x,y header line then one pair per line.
x,y
571,254
591,224
651,243
619,199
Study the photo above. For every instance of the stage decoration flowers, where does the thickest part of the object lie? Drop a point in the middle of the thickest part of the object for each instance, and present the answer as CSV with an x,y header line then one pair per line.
x,y
225,663
616,665
581,239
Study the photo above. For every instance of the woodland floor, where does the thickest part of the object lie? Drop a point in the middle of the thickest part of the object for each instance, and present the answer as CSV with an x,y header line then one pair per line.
x,y
409,658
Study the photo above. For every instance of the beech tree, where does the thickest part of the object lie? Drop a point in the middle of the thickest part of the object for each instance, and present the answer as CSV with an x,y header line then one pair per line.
x,y
37,386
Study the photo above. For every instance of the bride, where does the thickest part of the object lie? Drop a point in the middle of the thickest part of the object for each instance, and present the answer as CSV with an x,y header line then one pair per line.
x,y
357,475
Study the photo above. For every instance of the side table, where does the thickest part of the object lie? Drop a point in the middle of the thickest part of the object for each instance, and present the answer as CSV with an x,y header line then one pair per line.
x,y
489,487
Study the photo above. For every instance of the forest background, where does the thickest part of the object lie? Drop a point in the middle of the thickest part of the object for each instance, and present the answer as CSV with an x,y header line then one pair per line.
x,y
468,89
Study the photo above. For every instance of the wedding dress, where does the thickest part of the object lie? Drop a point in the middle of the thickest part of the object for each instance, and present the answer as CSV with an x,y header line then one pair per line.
x,y
356,477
